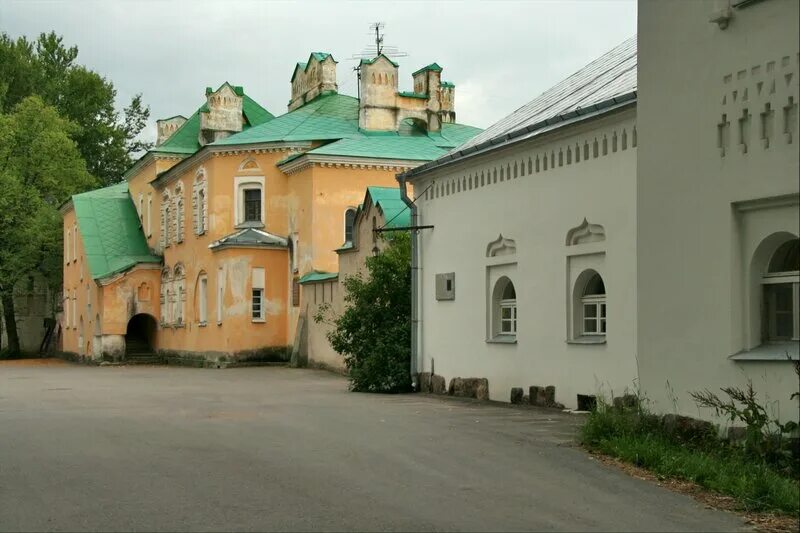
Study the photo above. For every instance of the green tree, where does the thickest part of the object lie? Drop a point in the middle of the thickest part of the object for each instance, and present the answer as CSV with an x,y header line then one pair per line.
x,y
374,331
40,167
107,140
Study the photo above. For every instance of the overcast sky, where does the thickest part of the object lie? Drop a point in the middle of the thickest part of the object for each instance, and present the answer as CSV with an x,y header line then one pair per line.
x,y
500,54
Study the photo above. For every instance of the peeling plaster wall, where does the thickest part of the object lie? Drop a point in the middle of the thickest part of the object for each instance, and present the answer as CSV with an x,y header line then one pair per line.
x,y
320,352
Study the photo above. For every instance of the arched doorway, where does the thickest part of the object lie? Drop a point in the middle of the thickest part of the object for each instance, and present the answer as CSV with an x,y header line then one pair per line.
x,y
140,335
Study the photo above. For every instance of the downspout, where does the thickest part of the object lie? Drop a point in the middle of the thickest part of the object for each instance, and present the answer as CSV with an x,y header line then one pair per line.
x,y
414,279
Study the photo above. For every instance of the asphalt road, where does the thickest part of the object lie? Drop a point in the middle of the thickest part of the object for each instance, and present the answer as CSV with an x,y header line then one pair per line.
x,y
177,449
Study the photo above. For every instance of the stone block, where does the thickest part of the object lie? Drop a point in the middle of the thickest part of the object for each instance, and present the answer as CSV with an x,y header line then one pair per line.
x,y
516,395
424,381
536,396
626,401
687,429
550,395
469,388
438,385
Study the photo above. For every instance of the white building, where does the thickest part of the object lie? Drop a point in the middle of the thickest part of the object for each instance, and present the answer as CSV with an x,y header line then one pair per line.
x,y
601,238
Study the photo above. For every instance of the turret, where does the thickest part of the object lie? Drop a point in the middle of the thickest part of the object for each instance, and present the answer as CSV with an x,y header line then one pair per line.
x,y
312,78
167,127
222,115
378,94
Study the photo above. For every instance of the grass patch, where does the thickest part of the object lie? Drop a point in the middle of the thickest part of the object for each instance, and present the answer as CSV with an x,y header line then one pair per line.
x,y
637,437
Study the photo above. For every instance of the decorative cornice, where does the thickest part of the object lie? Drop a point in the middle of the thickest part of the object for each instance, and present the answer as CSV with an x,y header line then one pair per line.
x,y
358,163
214,151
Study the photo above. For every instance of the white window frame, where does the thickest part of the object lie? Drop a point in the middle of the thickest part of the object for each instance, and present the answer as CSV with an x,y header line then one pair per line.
x,y
149,214
783,278
67,245
202,287
511,306
257,294
75,242
141,208
257,297
220,294
598,302
244,183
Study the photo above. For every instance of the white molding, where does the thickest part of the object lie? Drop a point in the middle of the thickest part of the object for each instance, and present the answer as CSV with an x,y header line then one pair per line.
x,y
239,185
784,200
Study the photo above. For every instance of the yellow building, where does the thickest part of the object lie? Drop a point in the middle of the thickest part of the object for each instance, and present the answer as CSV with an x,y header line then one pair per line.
x,y
197,255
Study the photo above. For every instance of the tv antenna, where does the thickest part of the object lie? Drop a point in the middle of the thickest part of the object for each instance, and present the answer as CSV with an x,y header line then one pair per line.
x,y
373,51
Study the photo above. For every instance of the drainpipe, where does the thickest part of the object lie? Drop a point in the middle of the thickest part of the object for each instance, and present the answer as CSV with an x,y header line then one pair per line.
x,y
414,279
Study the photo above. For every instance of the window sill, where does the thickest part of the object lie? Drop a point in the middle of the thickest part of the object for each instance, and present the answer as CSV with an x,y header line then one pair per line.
x,y
202,324
588,339
770,352
258,320
249,224
503,339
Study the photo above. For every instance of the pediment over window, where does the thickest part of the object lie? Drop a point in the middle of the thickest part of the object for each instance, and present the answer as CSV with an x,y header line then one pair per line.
x,y
249,164
586,232
501,246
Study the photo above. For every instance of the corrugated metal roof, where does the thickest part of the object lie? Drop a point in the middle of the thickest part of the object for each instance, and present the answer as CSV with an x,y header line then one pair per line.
x,y
610,76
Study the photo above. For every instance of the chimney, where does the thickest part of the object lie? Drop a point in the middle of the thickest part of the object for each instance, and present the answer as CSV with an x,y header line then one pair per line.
x,y
167,126
310,79
378,95
222,115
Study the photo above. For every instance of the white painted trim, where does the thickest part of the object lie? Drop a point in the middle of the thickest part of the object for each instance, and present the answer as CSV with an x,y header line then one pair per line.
x,y
240,184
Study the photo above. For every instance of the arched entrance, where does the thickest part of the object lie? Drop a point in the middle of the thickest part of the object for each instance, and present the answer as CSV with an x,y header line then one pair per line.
x,y
139,336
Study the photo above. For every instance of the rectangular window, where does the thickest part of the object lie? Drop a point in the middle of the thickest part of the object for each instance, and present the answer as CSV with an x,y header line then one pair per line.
x,y
257,311
594,318
75,242
203,301
781,306
252,205
257,302
296,292
508,317
220,293
149,215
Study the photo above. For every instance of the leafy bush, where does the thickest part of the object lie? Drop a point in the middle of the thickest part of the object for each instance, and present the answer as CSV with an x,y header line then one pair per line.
x,y
374,331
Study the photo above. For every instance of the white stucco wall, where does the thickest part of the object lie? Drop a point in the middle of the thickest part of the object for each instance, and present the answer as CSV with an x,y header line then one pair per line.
x,y
701,215
536,210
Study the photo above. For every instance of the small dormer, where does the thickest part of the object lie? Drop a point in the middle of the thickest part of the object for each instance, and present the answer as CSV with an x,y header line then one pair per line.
x,y
312,78
222,114
167,127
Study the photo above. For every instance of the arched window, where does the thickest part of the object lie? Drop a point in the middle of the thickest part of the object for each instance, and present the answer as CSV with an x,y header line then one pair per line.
x,y
179,213
504,298
781,307
199,207
593,306
349,222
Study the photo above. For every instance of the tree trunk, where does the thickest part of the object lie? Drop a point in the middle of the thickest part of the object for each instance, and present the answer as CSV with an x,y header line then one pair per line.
x,y
11,322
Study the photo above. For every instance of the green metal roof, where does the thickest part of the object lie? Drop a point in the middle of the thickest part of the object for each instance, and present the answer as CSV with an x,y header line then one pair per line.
x,y
412,94
329,116
186,139
316,276
113,240
391,145
334,117
448,85
374,59
395,211
433,66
